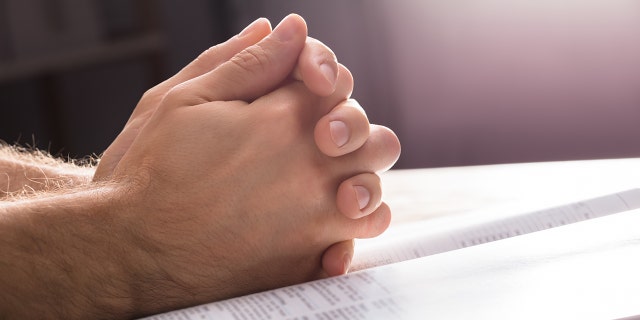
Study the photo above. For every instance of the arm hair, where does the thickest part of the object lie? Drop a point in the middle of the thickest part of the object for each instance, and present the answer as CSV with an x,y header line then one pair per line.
x,y
27,171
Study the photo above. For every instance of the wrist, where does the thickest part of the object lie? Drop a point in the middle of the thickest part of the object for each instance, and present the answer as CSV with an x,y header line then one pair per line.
x,y
62,256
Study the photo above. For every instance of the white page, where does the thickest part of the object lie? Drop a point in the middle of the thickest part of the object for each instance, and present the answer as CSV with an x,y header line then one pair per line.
x,y
432,237
354,296
587,270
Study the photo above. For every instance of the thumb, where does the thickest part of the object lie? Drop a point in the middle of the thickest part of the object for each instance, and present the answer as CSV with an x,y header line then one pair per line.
x,y
254,71
336,260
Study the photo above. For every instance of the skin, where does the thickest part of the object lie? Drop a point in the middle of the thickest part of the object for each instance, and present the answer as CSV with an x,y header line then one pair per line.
x,y
224,182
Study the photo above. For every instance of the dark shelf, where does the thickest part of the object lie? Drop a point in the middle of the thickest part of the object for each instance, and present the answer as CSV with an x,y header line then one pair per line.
x,y
83,56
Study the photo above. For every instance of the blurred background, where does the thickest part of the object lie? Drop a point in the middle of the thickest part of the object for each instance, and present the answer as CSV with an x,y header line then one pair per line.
x,y
460,82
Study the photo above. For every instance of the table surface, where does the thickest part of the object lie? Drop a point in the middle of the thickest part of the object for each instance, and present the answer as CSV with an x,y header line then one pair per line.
x,y
419,194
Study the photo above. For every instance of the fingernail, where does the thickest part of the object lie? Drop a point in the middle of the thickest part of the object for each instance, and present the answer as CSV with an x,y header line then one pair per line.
x,y
339,132
363,196
251,27
347,263
285,30
329,72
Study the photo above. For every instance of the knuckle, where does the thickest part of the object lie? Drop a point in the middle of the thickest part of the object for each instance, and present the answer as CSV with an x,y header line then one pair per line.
x,y
353,103
253,59
390,146
322,49
148,94
345,81
208,54
377,222
181,95
175,94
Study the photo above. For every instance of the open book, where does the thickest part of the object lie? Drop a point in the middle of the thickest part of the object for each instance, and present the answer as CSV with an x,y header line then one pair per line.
x,y
585,269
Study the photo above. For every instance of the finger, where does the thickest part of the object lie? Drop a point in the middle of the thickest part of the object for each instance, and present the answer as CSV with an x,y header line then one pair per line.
x,y
336,260
218,54
379,153
343,130
359,196
371,225
343,91
251,73
317,67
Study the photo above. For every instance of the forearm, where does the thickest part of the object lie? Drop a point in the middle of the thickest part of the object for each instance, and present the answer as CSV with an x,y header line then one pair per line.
x,y
27,172
64,256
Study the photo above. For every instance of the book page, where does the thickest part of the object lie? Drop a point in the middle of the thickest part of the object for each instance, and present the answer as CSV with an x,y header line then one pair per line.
x,y
441,235
354,296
